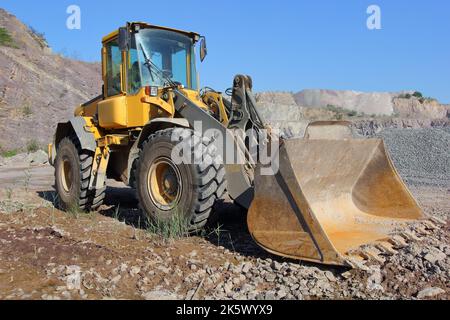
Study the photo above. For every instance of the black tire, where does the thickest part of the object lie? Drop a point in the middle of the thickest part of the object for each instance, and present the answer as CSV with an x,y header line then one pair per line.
x,y
201,184
73,168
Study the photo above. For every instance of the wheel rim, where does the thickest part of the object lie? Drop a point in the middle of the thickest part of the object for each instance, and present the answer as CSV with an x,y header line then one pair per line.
x,y
164,184
66,175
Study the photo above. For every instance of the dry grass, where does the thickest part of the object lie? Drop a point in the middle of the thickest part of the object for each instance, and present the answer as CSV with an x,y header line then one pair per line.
x,y
32,146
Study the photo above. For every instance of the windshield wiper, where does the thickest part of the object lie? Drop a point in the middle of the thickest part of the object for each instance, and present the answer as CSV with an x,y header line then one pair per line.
x,y
153,68
147,62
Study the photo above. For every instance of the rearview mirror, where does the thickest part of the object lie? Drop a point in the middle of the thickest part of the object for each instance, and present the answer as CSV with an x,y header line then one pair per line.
x,y
123,39
203,49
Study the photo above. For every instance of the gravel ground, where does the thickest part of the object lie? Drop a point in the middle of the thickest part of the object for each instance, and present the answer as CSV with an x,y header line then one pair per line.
x,y
110,255
422,156
99,257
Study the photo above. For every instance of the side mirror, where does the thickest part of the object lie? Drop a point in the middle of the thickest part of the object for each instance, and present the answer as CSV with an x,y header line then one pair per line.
x,y
124,38
203,49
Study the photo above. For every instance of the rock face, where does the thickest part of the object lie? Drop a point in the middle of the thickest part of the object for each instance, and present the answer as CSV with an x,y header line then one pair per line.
x,y
315,104
377,103
38,89
369,113
414,108
284,98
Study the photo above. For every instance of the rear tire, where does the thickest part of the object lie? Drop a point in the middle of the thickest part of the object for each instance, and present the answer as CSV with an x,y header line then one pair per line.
x,y
166,188
73,168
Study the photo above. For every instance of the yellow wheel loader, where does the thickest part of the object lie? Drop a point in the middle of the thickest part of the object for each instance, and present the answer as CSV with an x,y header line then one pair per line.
x,y
329,194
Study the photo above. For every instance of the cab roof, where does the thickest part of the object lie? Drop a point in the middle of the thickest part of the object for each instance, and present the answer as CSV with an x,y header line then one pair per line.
x,y
145,25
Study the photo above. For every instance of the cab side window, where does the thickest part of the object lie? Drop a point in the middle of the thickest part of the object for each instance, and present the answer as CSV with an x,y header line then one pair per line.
x,y
113,64
134,72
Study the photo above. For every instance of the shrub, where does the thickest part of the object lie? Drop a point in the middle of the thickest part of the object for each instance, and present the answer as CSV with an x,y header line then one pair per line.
x,y
341,112
405,96
417,94
6,39
38,36
333,108
26,110
32,146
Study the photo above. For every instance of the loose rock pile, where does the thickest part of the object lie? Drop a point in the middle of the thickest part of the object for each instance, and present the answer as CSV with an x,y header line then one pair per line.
x,y
421,155
420,270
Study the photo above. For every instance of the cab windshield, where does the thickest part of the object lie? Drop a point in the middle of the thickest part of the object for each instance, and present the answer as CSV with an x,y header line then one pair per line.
x,y
171,54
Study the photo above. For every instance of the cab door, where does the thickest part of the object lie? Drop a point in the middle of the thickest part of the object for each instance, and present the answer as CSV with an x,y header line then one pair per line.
x,y
112,111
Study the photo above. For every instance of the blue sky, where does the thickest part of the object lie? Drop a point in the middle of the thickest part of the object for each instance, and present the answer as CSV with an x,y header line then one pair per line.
x,y
283,45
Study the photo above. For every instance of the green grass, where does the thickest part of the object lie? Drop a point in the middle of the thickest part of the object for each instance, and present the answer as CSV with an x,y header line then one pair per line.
x,y
176,227
6,40
32,146
9,153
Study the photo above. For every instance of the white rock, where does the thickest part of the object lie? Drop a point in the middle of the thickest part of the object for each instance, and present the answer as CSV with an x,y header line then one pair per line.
x,y
37,158
346,274
430,292
375,279
276,265
193,254
116,279
228,288
160,295
330,276
270,295
72,269
435,256
73,281
246,267
270,277
135,270
123,267
281,293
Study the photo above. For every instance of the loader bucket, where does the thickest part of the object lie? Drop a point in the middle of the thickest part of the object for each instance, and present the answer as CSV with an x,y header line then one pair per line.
x,y
329,198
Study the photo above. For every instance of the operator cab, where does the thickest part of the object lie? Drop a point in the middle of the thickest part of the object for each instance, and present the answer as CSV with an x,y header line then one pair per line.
x,y
153,57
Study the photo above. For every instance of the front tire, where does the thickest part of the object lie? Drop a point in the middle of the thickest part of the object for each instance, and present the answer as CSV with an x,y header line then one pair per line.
x,y
73,168
166,188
